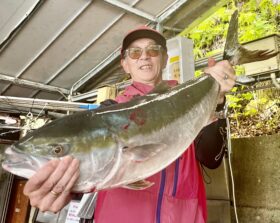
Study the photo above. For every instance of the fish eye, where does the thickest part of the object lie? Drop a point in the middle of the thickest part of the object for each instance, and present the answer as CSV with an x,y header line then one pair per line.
x,y
57,150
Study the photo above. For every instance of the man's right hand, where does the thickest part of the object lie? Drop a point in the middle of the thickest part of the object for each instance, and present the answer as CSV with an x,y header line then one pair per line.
x,y
50,188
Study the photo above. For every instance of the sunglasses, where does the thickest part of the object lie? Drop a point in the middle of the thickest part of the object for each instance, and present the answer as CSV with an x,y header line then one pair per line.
x,y
136,52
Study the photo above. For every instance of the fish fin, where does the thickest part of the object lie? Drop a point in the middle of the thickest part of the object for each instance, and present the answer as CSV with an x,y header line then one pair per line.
x,y
248,56
232,38
160,88
139,185
238,54
143,152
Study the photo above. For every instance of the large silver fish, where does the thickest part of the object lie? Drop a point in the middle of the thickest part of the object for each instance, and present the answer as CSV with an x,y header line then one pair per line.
x,y
121,144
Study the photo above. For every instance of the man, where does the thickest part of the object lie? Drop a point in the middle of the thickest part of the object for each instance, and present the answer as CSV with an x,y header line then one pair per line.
x,y
178,194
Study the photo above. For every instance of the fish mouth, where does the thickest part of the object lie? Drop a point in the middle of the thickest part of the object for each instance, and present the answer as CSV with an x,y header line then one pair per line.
x,y
21,164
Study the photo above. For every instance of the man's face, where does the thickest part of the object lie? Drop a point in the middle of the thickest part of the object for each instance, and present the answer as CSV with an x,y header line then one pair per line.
x,y
147,68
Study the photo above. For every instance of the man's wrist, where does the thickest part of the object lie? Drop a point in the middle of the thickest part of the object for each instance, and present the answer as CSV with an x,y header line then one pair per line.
x,y
221,99
220,109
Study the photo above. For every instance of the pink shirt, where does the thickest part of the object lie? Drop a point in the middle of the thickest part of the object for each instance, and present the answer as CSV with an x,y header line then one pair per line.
x,y
177,196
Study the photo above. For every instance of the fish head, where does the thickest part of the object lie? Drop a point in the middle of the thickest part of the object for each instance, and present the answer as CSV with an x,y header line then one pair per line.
x,y
95,148
30,153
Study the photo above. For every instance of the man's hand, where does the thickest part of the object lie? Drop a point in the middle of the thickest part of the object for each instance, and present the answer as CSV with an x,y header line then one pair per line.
x,y
50,188
224,73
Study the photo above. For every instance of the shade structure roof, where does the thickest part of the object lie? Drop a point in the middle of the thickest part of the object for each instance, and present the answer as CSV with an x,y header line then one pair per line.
x,y
56,48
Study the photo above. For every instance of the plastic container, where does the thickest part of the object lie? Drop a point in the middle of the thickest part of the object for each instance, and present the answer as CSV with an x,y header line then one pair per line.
x,y
180,65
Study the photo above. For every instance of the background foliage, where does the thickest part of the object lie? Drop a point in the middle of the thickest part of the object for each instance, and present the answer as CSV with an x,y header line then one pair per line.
x,y
255,112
